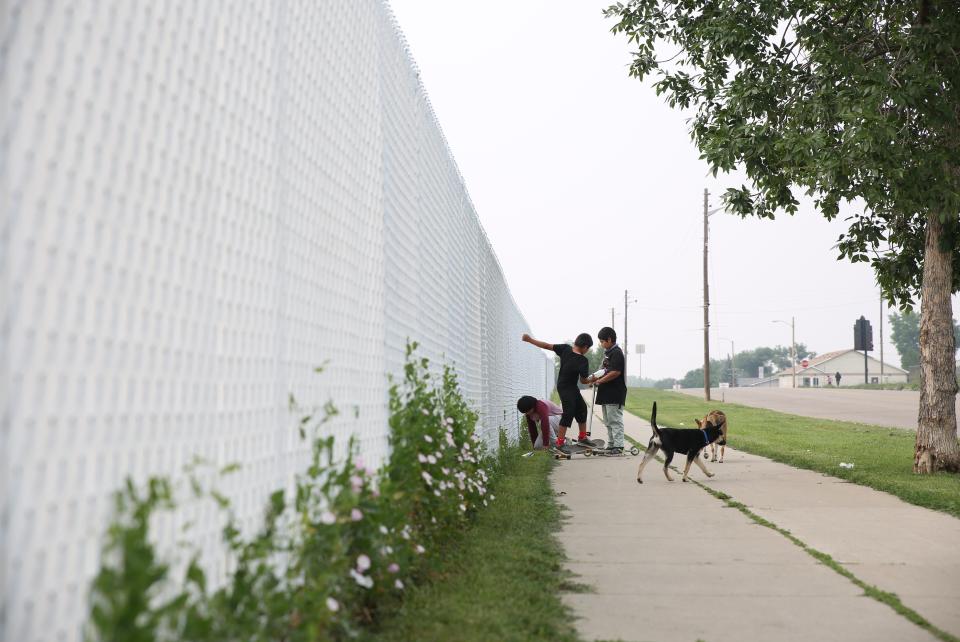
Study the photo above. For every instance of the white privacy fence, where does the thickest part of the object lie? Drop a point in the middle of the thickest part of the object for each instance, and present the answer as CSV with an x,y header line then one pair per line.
x,y
202,202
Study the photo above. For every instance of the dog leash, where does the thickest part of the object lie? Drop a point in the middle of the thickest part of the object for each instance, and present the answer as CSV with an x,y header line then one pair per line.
x,y
706,439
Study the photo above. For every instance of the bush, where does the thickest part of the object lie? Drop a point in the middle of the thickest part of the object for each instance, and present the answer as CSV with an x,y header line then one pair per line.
x,y
327,561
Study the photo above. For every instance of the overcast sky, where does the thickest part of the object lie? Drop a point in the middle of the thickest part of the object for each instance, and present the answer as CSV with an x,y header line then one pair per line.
x,y
587,184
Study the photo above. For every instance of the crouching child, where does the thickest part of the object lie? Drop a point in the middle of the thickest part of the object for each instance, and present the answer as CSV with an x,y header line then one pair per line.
x,y
543,420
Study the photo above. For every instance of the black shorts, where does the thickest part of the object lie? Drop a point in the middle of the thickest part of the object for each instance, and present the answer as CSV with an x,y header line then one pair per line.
x,y
574,407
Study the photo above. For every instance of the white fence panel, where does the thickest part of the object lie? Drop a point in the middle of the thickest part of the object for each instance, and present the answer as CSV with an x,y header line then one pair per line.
x,y
201,202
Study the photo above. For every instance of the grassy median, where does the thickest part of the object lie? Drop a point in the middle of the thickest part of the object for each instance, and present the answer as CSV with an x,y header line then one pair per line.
x,y
502,580
882,457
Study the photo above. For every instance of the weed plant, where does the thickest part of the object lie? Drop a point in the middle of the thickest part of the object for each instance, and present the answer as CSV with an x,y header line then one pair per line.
x,y
503,578
330,558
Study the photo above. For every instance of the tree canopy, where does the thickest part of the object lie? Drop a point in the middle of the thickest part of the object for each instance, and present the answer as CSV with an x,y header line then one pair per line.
x,y
843,99
849,101
905,335
747,363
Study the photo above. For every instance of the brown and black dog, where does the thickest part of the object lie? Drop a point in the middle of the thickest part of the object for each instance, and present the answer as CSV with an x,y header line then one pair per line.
x,y
685,441
716,418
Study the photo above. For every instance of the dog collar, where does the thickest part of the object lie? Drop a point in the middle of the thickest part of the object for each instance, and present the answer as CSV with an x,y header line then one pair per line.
x,y
705,438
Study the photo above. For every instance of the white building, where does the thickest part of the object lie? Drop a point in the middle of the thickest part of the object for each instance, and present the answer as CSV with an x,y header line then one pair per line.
x,y
821,371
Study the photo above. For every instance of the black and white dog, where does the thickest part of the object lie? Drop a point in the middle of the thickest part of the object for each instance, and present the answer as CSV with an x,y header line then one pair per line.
x,y
687,442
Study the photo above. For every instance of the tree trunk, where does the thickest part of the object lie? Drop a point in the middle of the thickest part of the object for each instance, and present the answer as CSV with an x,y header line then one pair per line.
x,y
936,446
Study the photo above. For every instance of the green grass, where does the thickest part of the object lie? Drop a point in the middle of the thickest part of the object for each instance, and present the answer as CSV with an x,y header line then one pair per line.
x,y
882,457
502,580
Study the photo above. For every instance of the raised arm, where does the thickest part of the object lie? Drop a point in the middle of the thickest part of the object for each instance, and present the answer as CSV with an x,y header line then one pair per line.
x,y
539,344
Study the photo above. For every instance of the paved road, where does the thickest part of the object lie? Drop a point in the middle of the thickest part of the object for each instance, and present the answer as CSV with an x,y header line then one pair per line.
x,y
894,408
669,562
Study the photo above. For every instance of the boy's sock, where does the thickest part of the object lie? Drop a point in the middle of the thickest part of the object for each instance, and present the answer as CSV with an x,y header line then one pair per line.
x,y
560,441
583,435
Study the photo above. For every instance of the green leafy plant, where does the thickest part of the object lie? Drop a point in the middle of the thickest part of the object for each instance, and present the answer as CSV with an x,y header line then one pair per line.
x,y
329,559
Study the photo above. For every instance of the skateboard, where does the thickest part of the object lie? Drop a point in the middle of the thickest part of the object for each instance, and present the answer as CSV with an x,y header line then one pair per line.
x,y
632,450
577,449
596,451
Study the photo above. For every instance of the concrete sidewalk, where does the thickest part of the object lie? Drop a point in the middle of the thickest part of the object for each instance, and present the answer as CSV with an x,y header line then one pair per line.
x,y
669,562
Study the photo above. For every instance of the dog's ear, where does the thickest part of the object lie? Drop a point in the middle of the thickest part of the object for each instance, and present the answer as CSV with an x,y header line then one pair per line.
x,y
699,423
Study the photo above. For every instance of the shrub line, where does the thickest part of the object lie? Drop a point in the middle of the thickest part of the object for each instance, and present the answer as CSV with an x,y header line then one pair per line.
x,y
330,558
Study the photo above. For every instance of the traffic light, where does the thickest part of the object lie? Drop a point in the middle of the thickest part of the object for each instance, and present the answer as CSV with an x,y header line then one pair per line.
x,y
862,335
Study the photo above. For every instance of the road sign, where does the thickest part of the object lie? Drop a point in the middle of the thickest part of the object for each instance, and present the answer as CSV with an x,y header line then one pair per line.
x,y
805,363
641,348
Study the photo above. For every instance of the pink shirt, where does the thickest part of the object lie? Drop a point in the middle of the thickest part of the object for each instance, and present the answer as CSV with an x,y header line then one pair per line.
x,y
545,408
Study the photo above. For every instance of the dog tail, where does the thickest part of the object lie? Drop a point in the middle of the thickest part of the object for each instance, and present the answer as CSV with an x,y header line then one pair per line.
x,y
653,421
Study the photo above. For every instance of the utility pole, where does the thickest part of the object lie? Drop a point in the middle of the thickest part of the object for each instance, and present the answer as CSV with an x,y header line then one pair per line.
x,y
733,362
793,347
793,343
611,319
863,340
706,304
733,365
881,337
625,344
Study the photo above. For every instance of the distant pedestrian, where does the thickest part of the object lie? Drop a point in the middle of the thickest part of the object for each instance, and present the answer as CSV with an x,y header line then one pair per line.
x,y
837,377
612,388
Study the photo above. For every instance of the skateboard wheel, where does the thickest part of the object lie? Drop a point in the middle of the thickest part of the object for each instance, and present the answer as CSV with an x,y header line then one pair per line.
x,y
634,451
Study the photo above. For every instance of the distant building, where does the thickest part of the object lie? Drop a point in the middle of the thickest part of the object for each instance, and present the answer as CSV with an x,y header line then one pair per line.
x,y
821,371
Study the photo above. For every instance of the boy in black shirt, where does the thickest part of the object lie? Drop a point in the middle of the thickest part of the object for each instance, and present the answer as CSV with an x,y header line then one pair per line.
x,y
612,388
573,369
